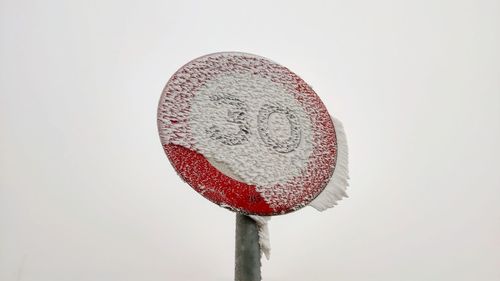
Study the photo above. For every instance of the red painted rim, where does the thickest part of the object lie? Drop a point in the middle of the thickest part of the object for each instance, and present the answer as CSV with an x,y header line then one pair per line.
x,y
223,190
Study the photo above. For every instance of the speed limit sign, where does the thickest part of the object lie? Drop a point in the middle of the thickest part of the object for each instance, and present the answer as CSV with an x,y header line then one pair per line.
x,y
247,134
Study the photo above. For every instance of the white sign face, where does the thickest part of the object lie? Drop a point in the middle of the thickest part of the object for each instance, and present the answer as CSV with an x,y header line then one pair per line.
x,y
263,135
247,133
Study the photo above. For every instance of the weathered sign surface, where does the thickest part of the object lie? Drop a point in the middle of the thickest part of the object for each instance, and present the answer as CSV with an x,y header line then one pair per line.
x,y
247,134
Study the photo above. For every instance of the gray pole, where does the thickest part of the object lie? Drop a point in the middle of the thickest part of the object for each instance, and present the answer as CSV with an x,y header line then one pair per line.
x,y
247,256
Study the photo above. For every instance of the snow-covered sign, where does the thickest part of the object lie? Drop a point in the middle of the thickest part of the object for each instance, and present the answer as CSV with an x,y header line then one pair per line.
x,y
247,134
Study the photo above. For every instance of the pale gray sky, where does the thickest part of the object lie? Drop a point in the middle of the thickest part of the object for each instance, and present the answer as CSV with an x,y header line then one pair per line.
x,y
86,192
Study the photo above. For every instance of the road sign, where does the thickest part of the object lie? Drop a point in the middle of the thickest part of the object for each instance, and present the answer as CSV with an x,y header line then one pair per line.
x,y
247,134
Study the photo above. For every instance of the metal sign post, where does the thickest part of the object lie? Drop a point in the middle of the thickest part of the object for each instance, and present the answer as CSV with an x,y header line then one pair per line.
x,y
247,254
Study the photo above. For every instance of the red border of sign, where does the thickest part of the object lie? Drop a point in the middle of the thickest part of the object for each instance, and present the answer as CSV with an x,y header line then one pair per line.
x,y
227,192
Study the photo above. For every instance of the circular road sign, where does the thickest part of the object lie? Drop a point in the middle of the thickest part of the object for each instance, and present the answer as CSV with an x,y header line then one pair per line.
x,y
247,133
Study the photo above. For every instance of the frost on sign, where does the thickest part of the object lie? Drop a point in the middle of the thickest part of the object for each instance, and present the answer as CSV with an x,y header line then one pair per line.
x,y
247,133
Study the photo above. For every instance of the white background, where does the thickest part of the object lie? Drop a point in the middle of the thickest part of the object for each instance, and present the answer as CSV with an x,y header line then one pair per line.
x,y
86,192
